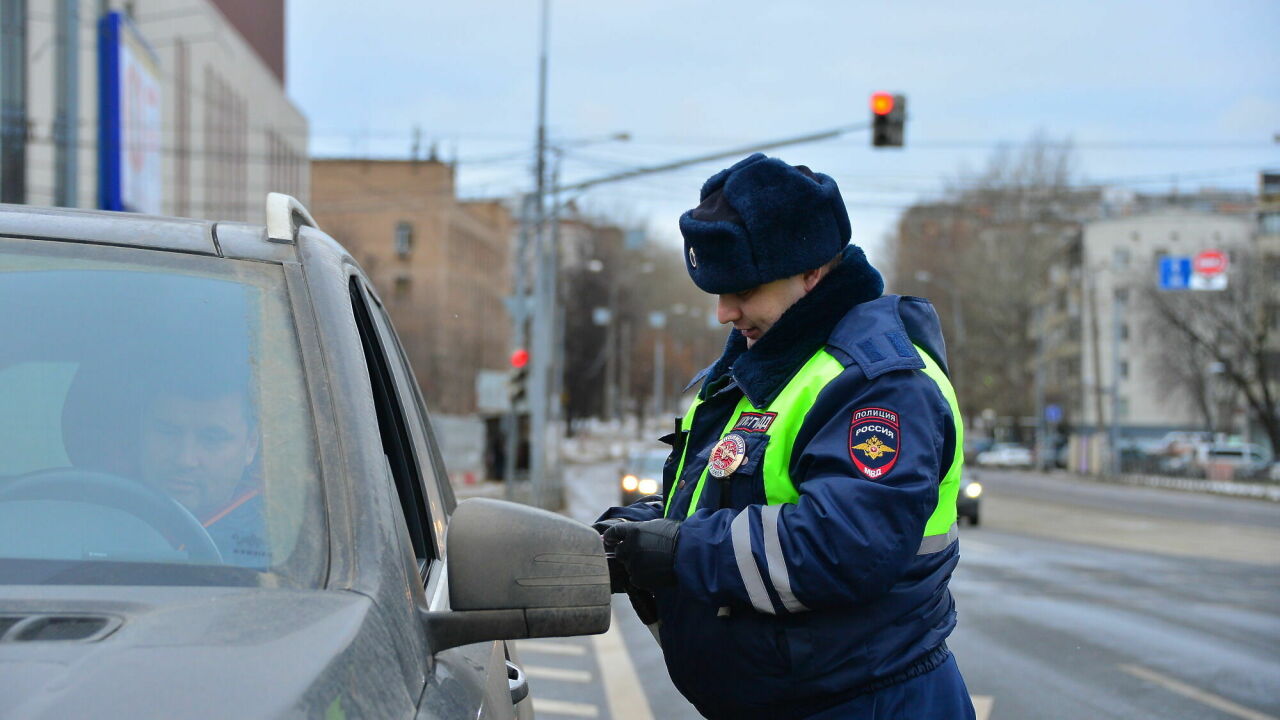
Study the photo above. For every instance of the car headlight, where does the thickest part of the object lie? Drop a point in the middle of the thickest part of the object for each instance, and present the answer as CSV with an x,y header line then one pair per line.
x,y
973,489
648,486
630,483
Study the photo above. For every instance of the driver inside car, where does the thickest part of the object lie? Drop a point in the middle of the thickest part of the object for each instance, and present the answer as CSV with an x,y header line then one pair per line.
x,y
198,444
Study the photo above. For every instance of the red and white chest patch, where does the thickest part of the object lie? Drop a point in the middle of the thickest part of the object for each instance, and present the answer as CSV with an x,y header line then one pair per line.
x,y
875,439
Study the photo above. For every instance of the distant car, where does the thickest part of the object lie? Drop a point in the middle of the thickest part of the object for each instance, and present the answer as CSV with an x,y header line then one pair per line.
x,y
1246,460
221,497
641,475
1006,455
969,501
974,446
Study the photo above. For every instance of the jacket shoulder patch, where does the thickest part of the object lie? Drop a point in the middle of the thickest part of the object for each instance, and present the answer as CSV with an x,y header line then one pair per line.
x,y
875,437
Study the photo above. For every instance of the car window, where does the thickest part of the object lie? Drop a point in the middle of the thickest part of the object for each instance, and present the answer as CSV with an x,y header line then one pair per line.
x,y
434,474
397,439
156,427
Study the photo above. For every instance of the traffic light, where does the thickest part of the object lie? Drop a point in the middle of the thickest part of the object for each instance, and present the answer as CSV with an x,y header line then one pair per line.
x,y
888,116
518,379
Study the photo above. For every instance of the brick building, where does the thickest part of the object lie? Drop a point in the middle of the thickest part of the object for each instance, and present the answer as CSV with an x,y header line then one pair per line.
x,y
440,264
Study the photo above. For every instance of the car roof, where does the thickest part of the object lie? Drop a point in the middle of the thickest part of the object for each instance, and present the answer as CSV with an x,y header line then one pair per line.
x,y
232,240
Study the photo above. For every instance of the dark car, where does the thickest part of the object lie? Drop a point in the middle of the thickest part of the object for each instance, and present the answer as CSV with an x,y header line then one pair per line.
x,y
641,475
220,494
969,500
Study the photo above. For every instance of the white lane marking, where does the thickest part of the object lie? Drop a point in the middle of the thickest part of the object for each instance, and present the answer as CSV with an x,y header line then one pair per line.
x,y
550,673
544,707
1204,697
550,648
982,705
622,687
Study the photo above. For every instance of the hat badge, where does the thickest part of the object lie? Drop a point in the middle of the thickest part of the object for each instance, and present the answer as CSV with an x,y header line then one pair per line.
x,y
693,258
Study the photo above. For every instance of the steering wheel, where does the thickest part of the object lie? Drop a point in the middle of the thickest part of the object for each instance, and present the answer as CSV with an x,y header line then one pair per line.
x,y
161,512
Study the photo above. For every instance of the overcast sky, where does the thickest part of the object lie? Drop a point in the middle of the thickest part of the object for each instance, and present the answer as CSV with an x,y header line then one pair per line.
x,y
1147,90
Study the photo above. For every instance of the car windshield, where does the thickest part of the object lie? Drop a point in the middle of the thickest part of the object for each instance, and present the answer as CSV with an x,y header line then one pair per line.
x,y
155,427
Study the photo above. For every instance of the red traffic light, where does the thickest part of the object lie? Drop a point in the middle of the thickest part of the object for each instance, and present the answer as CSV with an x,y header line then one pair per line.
x,y
519,358
881,103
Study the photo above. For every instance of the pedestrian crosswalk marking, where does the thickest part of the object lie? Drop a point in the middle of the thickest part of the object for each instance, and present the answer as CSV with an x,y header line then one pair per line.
x,y
622,687
550,673
982,705
546,708
551,648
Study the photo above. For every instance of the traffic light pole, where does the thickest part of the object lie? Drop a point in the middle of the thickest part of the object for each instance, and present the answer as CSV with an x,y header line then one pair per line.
x,y
542,307
722,155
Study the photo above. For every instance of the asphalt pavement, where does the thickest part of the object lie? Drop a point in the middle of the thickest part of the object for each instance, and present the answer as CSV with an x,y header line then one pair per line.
x,y
1075,599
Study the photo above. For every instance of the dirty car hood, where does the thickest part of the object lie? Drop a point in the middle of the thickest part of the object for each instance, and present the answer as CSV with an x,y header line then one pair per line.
x,y
178,652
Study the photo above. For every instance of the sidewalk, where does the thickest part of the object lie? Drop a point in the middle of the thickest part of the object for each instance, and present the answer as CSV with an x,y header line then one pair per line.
x,y
1253,490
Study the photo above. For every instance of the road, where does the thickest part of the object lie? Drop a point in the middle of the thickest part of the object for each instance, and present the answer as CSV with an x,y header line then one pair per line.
x,y
1076,600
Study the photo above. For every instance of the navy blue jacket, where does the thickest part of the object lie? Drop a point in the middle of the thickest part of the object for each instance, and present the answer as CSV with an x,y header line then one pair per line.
x,y
861,610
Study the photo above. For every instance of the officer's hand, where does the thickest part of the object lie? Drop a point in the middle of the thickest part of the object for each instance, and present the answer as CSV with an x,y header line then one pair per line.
x,y
647,549
601,526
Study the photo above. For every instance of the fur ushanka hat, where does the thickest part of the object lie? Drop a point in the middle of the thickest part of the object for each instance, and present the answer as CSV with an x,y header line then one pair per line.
x,y
759,221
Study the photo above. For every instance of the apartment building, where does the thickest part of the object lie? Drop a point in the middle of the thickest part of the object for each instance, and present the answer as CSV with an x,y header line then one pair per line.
x,y
173,107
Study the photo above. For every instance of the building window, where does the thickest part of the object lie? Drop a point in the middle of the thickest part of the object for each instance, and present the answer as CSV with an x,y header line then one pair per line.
x,y
1124,331
1173,236
404,238
1271,223
1122,408
1124,369
1121,258
1122,296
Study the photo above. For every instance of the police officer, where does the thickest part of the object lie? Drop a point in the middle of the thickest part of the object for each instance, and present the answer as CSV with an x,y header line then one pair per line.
x,y
800,553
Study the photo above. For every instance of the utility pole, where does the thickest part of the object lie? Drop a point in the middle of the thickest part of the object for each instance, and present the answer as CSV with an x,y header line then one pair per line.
x,y
1113,431
13,101
66,124
542,441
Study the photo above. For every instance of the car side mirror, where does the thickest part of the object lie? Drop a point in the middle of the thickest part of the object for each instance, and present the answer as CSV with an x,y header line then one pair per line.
x,y
516,572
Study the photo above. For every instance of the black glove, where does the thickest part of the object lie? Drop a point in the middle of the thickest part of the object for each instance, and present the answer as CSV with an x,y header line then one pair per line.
x,y
643,602
601,525
647,550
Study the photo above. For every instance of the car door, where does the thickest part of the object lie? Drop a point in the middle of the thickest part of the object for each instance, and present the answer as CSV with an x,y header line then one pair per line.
x,y
426,506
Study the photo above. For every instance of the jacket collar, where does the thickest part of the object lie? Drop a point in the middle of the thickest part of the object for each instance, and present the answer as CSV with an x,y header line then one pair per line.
x,y
763,370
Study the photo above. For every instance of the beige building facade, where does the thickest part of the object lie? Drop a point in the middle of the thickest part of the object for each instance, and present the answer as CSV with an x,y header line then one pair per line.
x,y
440,264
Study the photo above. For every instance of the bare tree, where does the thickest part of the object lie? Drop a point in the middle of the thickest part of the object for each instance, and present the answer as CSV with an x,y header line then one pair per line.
x,y
1232,334
982,255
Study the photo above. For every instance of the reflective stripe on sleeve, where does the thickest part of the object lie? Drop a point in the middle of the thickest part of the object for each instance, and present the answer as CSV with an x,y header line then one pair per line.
x,y
740,532
937,543
778,572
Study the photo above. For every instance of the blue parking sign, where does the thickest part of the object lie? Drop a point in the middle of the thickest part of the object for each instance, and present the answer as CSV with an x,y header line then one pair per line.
x,y
1175,273
1053,413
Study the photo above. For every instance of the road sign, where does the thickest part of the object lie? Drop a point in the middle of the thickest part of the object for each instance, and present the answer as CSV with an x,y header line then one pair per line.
x,y
1209,271
1053,413
1175,273
1210,262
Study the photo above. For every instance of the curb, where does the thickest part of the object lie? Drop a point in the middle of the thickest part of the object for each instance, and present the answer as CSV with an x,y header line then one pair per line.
x,y
1254,491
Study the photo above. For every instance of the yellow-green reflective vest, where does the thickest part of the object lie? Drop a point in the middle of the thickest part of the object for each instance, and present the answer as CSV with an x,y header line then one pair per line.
x,y
791,406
